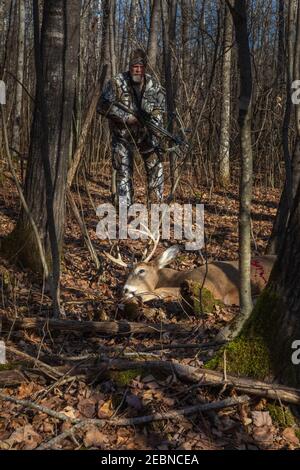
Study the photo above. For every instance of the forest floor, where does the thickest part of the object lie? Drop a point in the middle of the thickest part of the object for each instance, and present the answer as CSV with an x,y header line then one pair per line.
x,y
79,384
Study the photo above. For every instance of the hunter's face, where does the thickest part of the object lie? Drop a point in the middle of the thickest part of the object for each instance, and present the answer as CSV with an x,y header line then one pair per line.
x,y
137,72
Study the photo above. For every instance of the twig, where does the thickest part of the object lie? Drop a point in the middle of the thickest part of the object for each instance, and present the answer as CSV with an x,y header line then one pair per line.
x,y
49,370
228,402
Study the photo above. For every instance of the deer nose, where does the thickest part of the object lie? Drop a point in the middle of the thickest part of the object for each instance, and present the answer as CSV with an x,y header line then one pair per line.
x,y
128,291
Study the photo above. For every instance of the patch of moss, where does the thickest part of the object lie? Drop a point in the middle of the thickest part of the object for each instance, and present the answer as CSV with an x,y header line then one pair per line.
x,y
244,357
259,351
124,377
5,275
12,365
199,299
281,415
297,432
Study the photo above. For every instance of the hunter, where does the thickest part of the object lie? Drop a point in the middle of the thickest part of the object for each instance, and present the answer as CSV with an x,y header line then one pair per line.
x,y
140,93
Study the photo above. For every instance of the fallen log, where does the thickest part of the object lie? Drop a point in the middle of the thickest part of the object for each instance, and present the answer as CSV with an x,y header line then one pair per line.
x,y
111,328
9,378
211,378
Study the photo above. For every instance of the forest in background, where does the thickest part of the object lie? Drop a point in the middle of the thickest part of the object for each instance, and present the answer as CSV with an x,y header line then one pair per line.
x,y
108,376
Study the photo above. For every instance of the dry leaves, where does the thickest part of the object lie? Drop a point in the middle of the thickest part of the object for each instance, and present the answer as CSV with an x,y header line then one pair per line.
x,y
26,436
261,418
95,438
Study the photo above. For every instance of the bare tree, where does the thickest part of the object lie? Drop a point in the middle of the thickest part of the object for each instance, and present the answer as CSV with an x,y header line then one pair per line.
x,y
152,49
19,76
56,54
224,165
239,13
169,9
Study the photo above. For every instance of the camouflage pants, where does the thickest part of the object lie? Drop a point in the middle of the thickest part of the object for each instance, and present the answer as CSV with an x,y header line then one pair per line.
x,y
123,154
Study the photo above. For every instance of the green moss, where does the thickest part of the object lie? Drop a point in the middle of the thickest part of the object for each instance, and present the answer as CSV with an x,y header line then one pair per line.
x,y
124,377
12,365
199,299
265,316
244,357
259,351
281,415
297,432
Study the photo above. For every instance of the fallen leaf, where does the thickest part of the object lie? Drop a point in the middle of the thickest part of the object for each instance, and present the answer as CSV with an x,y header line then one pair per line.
x,y
105,409
25,390
134,401
263,434
70,412
26,436
87,407
261,418
94,437
290,436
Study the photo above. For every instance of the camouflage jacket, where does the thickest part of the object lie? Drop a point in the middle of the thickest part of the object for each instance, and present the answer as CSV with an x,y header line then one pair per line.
x,y
120,89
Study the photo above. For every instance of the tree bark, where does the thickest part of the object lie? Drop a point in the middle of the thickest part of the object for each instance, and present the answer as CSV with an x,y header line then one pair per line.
x,y
152,48
292,62
239,13
57,55
224,168
168,9
19,75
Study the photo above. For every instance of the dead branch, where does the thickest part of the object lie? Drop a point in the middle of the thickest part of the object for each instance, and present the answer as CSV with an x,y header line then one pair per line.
x,y
203,376
111,328
9,378
228,402
50,371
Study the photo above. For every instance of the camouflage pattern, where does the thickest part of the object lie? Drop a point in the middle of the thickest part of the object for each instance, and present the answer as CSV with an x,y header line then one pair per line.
x,y
125,139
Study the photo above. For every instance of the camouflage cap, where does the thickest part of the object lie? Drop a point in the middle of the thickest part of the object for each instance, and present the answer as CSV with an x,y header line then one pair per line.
x,y
138,57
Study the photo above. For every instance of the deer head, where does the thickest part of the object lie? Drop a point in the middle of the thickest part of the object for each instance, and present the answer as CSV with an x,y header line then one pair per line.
x,y
145,276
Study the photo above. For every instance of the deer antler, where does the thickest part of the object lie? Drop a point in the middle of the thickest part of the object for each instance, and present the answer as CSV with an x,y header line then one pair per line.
x,y
155,243
118,260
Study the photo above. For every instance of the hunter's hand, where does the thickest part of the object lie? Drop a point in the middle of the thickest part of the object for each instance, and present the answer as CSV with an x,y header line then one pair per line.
x,y
132,121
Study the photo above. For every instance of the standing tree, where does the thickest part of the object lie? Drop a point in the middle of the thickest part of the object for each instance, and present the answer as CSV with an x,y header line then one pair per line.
x,y
224,168
152,48
169,11
239,13
19,75
56,55
264,346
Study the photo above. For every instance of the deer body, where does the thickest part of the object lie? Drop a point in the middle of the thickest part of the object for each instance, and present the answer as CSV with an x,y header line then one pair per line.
x,y
153,280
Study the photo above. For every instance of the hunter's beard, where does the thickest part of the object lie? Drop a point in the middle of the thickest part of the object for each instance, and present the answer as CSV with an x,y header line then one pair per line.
x,y
137,79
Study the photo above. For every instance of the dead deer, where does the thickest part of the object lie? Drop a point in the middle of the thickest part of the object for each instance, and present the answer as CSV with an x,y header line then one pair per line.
x,y
152,279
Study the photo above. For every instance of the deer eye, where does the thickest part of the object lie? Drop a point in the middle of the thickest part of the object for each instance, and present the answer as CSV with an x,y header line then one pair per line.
x,y
141,272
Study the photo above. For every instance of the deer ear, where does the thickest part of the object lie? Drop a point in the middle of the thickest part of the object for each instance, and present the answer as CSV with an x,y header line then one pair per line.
x,y
168,256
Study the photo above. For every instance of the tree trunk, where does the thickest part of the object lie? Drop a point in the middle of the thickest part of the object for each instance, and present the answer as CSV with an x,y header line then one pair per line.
x,y
239,12
19,85
50,135
152,48
224,168
185,10
268,346
280,223
112,37
169,9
